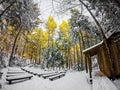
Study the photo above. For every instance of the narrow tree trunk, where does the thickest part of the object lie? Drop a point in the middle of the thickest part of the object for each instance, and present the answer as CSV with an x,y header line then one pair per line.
x,y
39,55
71,63
88,39
67,59
74,55
16,49
78,58
82,46
23,50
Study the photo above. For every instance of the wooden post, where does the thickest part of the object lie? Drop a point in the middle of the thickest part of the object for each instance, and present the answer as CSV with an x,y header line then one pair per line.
x,y
90,67
86,65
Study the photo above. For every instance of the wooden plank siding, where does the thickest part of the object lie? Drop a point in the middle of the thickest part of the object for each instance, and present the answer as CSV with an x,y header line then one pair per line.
x,y
109,69
116,58
104,61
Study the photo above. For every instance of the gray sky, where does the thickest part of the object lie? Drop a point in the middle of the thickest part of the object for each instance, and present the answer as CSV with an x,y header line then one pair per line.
x,y
48,8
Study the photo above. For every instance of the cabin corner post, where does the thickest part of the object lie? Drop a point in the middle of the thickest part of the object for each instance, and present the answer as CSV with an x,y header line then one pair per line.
x,y
86,64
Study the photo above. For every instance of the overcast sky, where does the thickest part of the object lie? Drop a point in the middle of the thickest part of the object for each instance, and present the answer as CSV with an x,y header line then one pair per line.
x,y
48,8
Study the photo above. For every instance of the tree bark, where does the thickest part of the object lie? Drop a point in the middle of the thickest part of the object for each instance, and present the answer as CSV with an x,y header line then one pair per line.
x,y
74,55
6,9
82,46
13,48
78,58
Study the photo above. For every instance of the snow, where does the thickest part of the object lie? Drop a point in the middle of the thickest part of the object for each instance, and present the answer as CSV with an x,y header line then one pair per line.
x,y
92,47
73,80
111,32
103,83
117,83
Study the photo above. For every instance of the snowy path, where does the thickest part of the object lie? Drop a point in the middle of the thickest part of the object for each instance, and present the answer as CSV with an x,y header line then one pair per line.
x,y
72,81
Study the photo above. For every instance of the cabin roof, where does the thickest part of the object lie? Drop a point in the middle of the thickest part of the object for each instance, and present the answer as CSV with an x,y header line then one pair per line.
x,y
92,47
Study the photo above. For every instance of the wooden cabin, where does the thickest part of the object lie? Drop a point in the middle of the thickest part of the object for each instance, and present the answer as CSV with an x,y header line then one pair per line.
x,y
107,67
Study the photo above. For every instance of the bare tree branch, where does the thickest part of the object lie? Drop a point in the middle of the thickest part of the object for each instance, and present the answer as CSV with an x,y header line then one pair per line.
x,y
6,9
2,1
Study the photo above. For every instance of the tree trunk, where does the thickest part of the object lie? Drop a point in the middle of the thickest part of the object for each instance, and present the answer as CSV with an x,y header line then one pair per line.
x,y
67,61
71,63
88,39
82,46
78,58
23,51
14,44
74,55
39,55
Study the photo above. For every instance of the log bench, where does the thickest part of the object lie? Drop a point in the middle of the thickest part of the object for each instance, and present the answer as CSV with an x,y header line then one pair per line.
x,y
14,72
20,77
14,69
1,74
57,76
37,73
27,71
49,75
41,74
23,69
31,72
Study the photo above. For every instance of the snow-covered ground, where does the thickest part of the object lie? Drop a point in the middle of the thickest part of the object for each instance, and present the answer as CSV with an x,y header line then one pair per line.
x,y
71,81
117,83
103,83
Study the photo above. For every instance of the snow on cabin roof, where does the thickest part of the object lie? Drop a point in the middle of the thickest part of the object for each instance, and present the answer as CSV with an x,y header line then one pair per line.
x,y
90,48
108,35
111,32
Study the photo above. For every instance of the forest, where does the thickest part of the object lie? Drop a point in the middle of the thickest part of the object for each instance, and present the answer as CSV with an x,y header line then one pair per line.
x,y
71,44
24,41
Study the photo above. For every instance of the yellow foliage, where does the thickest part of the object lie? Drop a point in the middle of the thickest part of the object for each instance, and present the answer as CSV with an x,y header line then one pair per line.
x,y
51,25
64,28
10,28
4,21
37,40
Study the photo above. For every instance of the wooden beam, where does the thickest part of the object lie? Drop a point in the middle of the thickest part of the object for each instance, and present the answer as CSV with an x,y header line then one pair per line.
x,y
90,67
